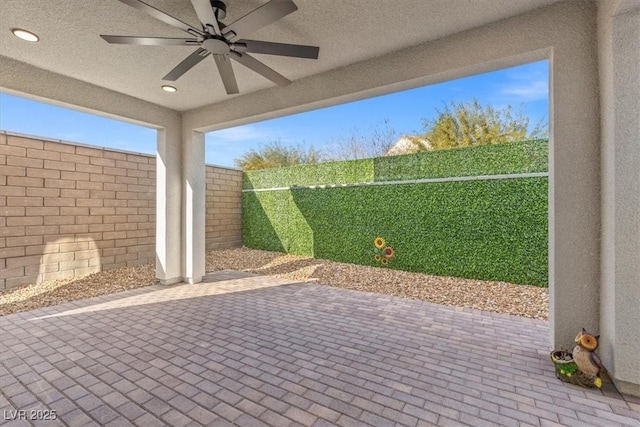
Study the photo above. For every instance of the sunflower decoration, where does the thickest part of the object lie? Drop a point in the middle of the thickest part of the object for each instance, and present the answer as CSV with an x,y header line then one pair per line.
x,y
388,252
379,243
383,252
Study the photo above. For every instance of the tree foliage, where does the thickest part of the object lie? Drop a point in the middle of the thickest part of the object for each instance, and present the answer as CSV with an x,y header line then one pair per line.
x,y
466,124
357,145
275,155
462,124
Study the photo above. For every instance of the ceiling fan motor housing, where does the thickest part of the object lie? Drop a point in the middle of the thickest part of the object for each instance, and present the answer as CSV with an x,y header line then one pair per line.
x,y
216,45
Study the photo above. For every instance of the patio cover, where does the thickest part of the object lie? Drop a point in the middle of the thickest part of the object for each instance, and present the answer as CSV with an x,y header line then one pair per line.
x,y
367,49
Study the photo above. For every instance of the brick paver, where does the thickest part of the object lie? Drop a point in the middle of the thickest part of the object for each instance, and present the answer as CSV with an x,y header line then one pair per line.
x,y
248,350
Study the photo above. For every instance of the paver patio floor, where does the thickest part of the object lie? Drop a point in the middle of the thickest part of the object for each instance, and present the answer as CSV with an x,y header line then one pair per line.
x,y
249,350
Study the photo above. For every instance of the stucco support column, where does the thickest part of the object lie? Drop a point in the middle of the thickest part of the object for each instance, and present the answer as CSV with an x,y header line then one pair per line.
x,y
619,50
574,184
193,207
168,206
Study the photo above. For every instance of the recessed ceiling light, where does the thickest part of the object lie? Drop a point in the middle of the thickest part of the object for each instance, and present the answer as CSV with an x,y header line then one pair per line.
x,y
25,35
168,88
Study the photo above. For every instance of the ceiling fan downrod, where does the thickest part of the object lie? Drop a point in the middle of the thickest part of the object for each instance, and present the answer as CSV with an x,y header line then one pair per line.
x,y
219,9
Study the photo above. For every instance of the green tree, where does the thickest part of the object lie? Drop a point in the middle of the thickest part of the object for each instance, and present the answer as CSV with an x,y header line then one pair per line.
x,y
275,155
356,145
467,124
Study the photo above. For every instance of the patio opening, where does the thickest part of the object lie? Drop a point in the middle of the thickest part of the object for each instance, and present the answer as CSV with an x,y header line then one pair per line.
x,y
81,195
351,174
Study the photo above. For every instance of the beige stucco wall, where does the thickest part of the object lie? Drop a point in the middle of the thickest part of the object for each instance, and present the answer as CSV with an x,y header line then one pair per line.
x,y
574,179
68,210
619,67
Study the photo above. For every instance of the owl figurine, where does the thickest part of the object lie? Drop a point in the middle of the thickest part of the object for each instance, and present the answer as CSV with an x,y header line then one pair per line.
x,y
584,354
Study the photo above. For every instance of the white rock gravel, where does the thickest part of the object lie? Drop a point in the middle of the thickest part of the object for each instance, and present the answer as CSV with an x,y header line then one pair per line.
x,y
56,292
501,297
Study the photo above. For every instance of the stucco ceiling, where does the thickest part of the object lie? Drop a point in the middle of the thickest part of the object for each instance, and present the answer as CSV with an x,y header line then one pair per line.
x,y
347,31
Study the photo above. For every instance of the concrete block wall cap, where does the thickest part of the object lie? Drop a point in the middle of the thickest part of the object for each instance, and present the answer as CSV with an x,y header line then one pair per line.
x,y
403,182
97,147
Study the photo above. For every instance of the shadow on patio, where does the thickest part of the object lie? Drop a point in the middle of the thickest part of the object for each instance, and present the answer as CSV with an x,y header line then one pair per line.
x,y
302,354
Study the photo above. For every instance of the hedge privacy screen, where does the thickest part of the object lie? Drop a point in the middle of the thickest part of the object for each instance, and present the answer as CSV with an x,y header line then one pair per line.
x,y
492,229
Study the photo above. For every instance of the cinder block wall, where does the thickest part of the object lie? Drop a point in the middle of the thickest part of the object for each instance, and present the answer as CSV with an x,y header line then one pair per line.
x,y
224,208
69,210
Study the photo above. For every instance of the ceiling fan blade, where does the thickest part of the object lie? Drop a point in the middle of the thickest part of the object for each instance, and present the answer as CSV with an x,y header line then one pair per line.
x,y
282,49
158,14
205,15
188,63
226,74
260,68
150,41
262,16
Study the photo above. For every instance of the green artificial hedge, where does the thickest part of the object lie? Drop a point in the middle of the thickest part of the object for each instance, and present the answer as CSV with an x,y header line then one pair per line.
x,y
516,157
483,229
352,171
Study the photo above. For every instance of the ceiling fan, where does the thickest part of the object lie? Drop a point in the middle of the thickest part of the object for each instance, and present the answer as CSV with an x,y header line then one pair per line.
x,y
223,42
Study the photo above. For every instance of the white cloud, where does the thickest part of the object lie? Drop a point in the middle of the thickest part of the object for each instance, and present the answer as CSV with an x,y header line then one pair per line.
x,y
527,91
248,133
225,145
526,83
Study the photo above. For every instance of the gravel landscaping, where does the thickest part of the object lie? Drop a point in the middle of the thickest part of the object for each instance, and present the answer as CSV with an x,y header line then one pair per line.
x,y
56,292
501,297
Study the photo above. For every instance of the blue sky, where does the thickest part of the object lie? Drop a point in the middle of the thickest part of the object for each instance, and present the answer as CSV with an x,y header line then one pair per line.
x,y
525,86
